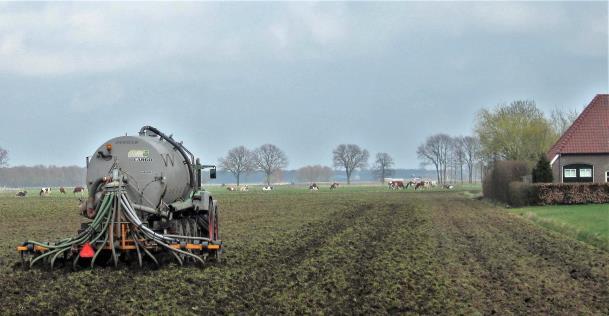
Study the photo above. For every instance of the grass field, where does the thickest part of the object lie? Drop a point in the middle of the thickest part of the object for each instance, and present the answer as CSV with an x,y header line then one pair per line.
x,y
588,223
351,251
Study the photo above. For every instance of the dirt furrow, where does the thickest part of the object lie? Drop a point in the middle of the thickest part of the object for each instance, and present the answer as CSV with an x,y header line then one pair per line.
x,y
256,286
515,279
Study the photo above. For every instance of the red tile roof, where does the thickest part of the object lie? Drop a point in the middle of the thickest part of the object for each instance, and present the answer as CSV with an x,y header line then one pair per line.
x,y
589,133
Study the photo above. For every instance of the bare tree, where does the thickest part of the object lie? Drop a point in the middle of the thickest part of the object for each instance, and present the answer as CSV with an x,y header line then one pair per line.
x,y
3,157
436,151
382,166
458,156
314,173
471,153
561,120
350,157
238,161
270,159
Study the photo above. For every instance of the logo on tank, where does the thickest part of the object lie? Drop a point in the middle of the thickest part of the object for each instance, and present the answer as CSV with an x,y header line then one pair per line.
x,y
139,155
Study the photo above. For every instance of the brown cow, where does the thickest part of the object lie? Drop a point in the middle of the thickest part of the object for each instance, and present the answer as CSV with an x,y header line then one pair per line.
x,y
334,185
62,190
395,185
78,189
423,185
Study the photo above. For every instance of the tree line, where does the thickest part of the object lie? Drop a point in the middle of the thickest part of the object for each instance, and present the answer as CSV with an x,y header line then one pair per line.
x,y
22,176
515,131
268,159
271,160
450,156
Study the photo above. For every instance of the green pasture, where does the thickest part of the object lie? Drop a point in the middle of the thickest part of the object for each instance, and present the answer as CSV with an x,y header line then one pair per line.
x,y
588,223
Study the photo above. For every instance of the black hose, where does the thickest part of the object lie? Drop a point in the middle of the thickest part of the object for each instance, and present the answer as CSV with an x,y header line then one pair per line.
x,y
95,186
180,148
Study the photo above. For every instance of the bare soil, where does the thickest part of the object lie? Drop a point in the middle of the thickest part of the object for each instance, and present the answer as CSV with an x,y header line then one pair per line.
x,y
336,252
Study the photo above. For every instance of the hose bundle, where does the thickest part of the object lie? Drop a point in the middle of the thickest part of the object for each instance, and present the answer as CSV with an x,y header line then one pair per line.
x,y
115,209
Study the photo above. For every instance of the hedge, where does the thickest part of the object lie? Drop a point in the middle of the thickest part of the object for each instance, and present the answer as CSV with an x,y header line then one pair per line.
x,y
522,194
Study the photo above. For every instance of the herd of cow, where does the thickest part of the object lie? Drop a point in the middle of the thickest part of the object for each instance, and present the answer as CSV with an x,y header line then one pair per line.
x,y
393,184
47,191
245,188
417,184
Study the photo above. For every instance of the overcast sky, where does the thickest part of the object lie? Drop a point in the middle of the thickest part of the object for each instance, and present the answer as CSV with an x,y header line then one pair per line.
x,y
303,76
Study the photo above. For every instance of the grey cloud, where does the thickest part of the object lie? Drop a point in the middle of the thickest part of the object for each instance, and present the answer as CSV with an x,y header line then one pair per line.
x,y
305,76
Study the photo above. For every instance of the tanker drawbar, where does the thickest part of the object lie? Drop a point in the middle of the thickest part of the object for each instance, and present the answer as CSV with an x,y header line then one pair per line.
x,y
145,203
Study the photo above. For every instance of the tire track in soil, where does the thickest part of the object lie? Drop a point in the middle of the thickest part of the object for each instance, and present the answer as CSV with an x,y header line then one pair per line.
x,y
379,235
254,288
419,284
396,254
386,236
511,276
361,251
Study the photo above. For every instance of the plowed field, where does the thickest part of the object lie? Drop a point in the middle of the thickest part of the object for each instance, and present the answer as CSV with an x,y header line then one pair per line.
x,y
342,252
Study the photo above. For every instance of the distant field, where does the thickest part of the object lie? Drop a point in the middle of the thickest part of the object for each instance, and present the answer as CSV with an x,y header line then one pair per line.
x,y
588,223
288,188
356,187
356,250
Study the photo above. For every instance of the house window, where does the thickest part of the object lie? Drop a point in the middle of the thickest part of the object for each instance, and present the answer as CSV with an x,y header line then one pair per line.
x,y
570,173
607,176
585,173
578,173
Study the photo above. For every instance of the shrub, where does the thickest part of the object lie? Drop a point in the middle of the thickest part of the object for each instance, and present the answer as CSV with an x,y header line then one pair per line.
x,y
496,184
522,194
542,173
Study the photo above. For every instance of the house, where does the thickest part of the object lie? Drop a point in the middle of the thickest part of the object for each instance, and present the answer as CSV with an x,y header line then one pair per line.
x,y
582,152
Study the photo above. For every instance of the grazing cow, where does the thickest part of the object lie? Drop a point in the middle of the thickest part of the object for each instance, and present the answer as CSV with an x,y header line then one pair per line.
x,y
423,185
334,185
448,186
313,187
230,188
244,188
267,188
21,193
62,190
45,191
395,185
78,189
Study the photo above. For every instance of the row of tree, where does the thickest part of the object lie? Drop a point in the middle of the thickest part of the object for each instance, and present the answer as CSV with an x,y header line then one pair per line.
x,y
515,131
267,158
271,160
449,155
43,176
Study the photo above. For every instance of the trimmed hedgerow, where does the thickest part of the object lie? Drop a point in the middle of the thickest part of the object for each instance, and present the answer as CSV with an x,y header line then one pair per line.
x,y
521,194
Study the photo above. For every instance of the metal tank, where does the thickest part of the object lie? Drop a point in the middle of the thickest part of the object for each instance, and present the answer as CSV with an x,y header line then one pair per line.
x,y
155,170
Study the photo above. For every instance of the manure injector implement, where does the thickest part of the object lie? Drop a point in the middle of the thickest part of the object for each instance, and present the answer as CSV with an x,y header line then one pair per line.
x,y
145,200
